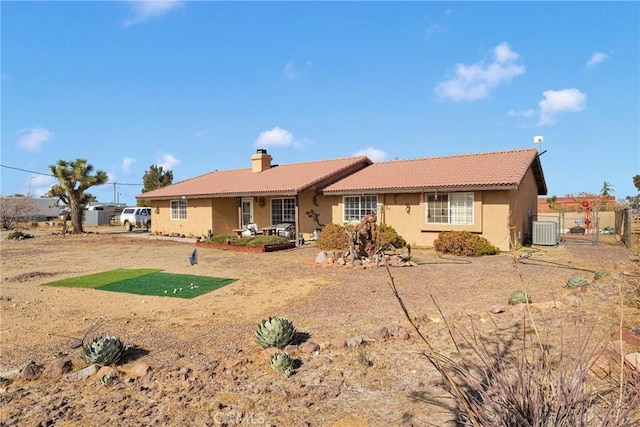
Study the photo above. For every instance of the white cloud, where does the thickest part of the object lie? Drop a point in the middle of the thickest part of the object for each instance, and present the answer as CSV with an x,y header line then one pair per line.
x,y
525,114
32,139
291,71
560,101
476,81
276,137
167,161
145,10
372,153
596,58
127,163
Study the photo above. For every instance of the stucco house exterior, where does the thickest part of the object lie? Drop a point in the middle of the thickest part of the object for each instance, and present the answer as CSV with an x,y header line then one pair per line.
x,y
265,194
493,194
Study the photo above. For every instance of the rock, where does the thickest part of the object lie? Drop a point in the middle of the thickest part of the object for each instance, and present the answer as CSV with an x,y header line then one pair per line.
x,y
232,363
495,309
321,258
107,370
82,373
139,370
31,372
354,342
58,368
380,333
339,343
309,347
403,334
357,262
10,374
634,360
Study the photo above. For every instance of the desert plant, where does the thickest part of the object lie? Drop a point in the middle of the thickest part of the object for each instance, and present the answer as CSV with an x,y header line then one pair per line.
x,y
389,236
600,274
463,243
577,282
519,297
281,362
333,236
363,358
104,350
275,332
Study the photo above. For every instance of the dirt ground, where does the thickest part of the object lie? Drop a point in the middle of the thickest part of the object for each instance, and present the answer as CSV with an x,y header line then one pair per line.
x,y
202,367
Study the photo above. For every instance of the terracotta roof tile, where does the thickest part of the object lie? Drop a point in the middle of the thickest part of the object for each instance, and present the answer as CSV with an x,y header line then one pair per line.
x,y
287,179
491,170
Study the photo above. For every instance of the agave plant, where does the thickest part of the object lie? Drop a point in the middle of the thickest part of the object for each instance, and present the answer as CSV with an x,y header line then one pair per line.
x,y
275,332
281,362
519,297
104,350
600,274
577,282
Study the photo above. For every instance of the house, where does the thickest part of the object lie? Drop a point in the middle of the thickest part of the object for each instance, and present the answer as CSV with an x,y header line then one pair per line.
x,y
493,194
32,208
265,194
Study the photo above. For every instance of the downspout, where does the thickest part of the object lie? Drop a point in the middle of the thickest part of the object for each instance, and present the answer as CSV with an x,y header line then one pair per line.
x,y
297,220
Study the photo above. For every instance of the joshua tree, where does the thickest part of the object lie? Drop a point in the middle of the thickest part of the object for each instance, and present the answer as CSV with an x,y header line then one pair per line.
x,y
75,178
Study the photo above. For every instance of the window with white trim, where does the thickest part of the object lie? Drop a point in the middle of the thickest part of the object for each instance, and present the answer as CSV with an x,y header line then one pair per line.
x,y
450,208
283,210
178,209
357,207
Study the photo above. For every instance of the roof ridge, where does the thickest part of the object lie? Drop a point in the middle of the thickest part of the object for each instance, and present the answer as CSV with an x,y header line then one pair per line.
x,y
450,156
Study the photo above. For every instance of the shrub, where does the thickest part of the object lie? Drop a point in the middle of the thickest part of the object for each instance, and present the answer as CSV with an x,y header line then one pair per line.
x,y
249,242
464,243
388,235
519,297
333,236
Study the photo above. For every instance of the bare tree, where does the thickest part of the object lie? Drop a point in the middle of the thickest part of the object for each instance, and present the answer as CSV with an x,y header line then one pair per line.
x,y
16,209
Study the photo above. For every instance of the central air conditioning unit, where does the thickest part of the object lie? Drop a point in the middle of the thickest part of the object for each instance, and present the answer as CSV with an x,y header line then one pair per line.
x,y
545,233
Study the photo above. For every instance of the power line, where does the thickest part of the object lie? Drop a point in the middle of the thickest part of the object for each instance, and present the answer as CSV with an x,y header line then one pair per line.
x,y
48,174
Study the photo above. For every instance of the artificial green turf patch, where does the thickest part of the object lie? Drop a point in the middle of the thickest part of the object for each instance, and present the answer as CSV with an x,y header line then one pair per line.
x,y
165,284
100,279
147,282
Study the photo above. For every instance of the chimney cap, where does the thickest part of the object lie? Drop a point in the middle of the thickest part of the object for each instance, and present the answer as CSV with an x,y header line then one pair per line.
x,y
261,151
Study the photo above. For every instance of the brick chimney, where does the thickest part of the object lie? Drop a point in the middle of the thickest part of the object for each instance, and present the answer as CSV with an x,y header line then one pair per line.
x,y
261,161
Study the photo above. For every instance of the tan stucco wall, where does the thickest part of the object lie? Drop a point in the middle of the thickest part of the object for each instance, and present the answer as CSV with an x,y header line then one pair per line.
x,y
524,208
406,213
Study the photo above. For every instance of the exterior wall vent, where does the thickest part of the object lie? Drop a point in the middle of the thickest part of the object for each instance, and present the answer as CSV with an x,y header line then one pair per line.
x,y
545,233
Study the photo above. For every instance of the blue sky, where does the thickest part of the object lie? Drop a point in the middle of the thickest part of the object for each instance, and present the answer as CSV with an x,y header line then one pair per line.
x,y
199,86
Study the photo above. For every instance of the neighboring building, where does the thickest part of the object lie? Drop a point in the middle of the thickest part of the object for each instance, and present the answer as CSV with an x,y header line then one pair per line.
x,y
42,208
570,211
493,194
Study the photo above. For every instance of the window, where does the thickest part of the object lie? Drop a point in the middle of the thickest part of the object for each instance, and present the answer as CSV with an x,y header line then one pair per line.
x,y
283,210
178,209
451,208
357,207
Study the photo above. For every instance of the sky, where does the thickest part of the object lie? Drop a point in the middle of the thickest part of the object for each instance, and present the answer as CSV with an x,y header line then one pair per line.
x,y
198,86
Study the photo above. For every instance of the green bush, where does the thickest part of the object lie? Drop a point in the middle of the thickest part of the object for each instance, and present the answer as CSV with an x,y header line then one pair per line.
x,y
333,236
388,235
249,242
464,243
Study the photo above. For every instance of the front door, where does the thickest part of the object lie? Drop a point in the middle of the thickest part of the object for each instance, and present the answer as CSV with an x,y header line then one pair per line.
x,y
247,211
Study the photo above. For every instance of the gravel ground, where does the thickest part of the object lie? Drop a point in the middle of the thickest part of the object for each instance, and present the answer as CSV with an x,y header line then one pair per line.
x,y
196,362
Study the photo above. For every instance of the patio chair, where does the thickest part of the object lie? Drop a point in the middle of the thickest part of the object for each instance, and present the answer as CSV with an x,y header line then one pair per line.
x,y
252,230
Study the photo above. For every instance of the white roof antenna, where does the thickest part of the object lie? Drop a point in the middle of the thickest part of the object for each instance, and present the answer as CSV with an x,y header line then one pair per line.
x,y
538,140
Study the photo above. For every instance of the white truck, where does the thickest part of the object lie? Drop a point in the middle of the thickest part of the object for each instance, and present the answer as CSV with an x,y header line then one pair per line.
x,y
136,217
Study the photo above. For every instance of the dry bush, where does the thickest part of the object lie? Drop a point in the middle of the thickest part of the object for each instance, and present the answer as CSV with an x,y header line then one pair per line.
x,y
463,243
334,236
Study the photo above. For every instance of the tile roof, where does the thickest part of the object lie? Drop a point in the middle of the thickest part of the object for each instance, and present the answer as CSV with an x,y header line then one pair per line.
x,y
488,171
287,179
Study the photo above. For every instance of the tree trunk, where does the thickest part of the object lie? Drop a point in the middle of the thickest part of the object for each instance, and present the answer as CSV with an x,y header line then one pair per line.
x,y
75,209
